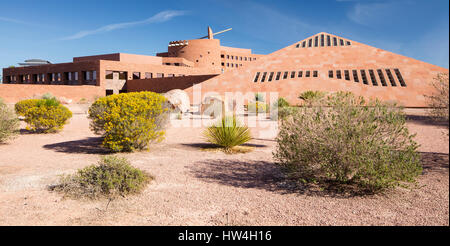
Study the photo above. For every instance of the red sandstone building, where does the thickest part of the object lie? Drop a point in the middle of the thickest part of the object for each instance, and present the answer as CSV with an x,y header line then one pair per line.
x,y
322,62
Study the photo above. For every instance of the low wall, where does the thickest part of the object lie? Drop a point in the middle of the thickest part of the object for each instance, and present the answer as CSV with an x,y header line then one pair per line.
x,y
12,93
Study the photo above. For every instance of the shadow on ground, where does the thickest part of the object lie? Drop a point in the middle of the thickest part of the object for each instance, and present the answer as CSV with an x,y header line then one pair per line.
x,y
426,120
263,175
90,145
434,162
212,146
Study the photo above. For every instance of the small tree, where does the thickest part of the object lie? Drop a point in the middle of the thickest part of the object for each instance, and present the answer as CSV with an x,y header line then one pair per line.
x,y
9,123
439,101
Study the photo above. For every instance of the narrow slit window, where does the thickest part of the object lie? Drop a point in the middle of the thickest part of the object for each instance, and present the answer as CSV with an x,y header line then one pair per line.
x,y
400,77
300,74
278,76
355,76
328,40
297,46
285,75
382,79
391,77
348,43
338,74
263,79
364,77
341,41
322,40
271,76
330,74
334,41
315,74
308,74
347,75
292,74
373,78
316,41
310,42
304,44
257,77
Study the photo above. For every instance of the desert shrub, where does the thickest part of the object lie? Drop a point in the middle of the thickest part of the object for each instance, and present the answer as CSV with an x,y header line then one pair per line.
x,y
22,106
286,111
257,107
281,103
349,142
9,123
43,115
112,177
439,101
129,121
228,132
48,95
312,98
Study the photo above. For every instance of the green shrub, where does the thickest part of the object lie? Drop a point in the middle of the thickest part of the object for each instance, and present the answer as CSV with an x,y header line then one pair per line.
x,y
9,123
228,133
112,177
439,101
257,107
281,103
286,111
129,121
351,142
43,115
312,98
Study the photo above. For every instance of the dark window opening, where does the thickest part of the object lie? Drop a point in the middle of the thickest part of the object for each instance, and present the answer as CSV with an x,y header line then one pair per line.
x,y
297,46
334,41
348,43
342,42
328,40
391,77
304,44
222,56
257,77
271,76
148,75
292,75
382,79
316,41
364,77
355,76
373,78
308,74
136,75
315,74
330,74
338,74
263,79
322,40
109,92
285,75
300,74
310,42
278,76
122,91
400,77
347,75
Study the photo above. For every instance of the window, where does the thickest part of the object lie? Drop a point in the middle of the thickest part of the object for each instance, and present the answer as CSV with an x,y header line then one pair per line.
x,y
400,77
310,42
223,64
232,64
292,74
348,43
123,75
240,58
171,75
109,74
338,74
109,92
334,41
148,75
328,40
94,75
391,77
122,91
159,75
308,74
228,56
304,44
222,56
382,79
297,46
300,74
355,76
316,41
271,76
245,58
285,75
256,77
347,75
263,79
228,64
372,77
315,74
342,42
322,40
278,76
232,57
330,74
75,76
364,77
136,75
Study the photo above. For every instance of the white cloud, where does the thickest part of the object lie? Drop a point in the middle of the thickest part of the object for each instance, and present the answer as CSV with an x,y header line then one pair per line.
x,y
158,18
15,21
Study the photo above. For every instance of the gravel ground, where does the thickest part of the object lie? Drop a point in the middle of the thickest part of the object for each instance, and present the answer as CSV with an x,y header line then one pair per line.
x,y
197,187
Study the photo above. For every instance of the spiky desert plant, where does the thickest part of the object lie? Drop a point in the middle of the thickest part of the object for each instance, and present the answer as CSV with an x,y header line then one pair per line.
x,y
228,132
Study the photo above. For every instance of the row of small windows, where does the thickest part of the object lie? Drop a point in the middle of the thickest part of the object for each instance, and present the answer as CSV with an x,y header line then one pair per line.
x,y
238,58
119,75
322,41
89,77
372,74
231,65
270,76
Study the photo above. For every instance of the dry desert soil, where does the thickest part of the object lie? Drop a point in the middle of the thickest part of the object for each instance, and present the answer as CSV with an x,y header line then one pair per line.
x,y
197,187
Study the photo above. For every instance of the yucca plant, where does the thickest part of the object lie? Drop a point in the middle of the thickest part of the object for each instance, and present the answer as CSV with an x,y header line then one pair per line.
x,y
228,132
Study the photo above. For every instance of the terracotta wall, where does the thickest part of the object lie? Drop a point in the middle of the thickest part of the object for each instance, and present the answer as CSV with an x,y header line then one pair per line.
x,y
12,93
162,85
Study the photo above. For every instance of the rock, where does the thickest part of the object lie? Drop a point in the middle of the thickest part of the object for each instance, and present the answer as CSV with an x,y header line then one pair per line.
x,y
179,100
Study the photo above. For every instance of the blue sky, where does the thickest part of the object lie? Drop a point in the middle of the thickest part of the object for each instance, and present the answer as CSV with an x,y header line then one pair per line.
x,y
58,30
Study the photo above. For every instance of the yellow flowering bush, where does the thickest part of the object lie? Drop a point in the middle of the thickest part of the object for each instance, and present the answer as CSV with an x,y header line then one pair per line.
x,y
43,115
129,121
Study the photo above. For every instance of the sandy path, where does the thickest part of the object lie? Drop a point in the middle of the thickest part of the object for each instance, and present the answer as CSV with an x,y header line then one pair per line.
x,y
194,187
